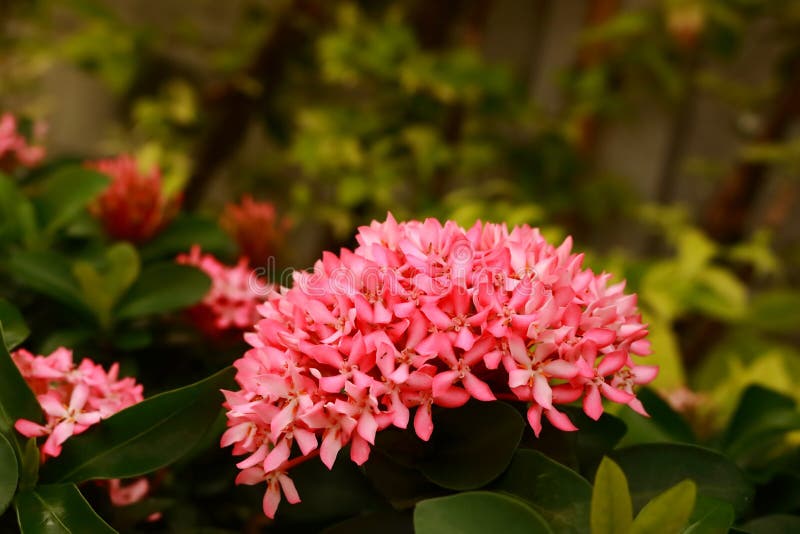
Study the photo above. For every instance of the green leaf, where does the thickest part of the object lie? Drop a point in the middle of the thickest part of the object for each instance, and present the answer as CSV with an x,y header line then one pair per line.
x,y
184,232
663,425
477,512
559,494
17,401
775,311
384,521
17,216
472,445
9,473
50,274
14,327
711,516
163,287
103,286
668,512
59,509
611,503
652,468
142,438
755,402
66,194
773,524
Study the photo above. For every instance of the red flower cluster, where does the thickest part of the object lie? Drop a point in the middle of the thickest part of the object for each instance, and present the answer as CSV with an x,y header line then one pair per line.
x,y
14,148
256,228
424,314
134,207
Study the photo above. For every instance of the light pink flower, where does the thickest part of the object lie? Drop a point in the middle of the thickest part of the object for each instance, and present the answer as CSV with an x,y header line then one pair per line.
x,y
14,148
73,398
424,314
230,306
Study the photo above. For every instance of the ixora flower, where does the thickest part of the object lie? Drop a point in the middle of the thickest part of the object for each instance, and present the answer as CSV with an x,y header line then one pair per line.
x,y
256,228
73,398
422,314
14,148
134,207
230,306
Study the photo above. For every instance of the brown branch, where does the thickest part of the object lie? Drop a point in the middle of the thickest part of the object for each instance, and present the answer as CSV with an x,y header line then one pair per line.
x,y
235,107
729,210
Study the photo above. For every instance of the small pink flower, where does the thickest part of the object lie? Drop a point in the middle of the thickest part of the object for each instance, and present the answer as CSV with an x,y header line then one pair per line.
x,y
230,306
134,207
424,314
14,148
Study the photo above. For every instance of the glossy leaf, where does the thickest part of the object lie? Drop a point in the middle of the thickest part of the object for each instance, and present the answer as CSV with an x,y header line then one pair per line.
x,y
142,438
102,285
663,425
67,193
14,327
773,524
162,288
50,274
477,512
57,509
559,494
16,399
9,473
466,454
710,516
667,512
611,511
652,468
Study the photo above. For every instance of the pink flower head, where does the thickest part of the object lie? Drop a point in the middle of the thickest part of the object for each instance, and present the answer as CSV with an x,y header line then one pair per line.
x,y
230,305
424,314
256,228
134,207
14,148
73,398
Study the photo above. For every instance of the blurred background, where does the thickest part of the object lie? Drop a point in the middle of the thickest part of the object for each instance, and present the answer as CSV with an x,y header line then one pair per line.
x,y
663,135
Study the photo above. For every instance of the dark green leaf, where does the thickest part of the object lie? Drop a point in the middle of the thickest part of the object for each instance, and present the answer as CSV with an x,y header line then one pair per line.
x,y
611,503
103,283
17,216
710,516
559,494
9,473
49,274
162,288
58,509
773,524
14,327
185,231
142,438
17,401
667,512
652,468
401,485
472,445
663,425
477,512
385,522
67,193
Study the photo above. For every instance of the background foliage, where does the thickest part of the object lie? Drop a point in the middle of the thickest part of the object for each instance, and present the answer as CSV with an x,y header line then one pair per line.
x,y
340,111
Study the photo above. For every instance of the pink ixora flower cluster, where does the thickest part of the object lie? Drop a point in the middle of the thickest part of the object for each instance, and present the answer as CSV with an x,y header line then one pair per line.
x,y
73,398
230,305
424,314
14,148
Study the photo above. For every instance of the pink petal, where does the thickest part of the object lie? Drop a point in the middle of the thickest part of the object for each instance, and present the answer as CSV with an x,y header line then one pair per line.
x,y
306,440
561,369
592,403
367,427
359,450
289,490
644,374
601,336
276,457
477,388
535,418
29,429
560,420
63,431
542,392
443,381
423,424
271,500
331,445
518,378
250,476
615,395
612,362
